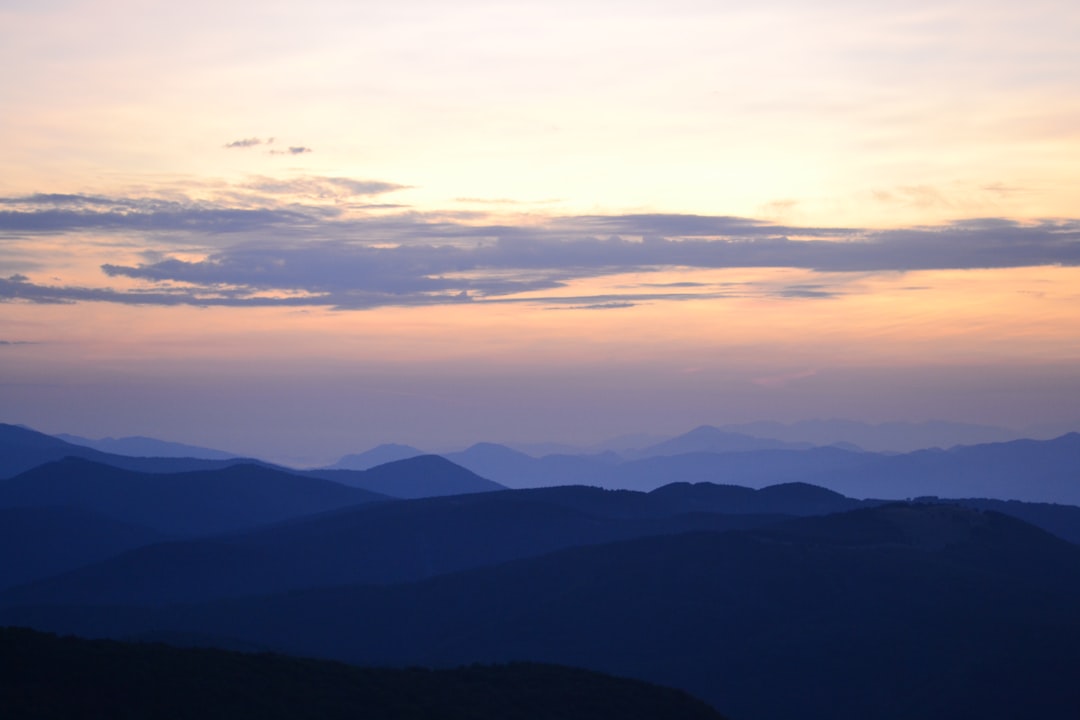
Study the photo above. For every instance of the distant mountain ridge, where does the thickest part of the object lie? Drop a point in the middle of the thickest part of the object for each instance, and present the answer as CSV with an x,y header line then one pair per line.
x,y
139,446
414,476
389,452
22,449
709,439
888,437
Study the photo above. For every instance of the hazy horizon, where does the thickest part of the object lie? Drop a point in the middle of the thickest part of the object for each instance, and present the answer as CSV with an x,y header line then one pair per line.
x,y
889,437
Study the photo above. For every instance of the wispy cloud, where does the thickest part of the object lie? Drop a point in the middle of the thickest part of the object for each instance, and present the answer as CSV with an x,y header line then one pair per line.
x,y
291,252
251,142
248,142
293,150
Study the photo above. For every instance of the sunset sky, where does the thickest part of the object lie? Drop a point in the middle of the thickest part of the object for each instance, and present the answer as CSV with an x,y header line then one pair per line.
x,y
297,230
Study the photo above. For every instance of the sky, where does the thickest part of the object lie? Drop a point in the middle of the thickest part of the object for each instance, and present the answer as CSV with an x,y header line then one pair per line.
x,y
298,230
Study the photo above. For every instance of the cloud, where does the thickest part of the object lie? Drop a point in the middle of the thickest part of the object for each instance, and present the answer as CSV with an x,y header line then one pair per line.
x,y
152,217
322,187
292,150
295,251
248,142
602,306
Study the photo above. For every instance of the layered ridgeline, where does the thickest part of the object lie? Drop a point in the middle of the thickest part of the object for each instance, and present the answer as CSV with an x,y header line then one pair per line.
x,y
897,611
1028,470
787,601
51,678
22,450
390,542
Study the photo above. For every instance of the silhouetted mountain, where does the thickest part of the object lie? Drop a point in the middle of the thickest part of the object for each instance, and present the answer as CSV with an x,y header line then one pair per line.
x,y
1048,431
493,461
518,470
201,502
786,499
380,455
1060,520
415,477
627,442
36,542
540,449
22,449
138,446
757,468
52,678
1029,470
751,468
892,612
708,439
411,540
892,437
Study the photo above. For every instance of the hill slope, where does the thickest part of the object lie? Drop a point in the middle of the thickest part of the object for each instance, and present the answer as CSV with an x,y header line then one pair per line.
x,y
412,477
893,612
409,540
49,678
191,503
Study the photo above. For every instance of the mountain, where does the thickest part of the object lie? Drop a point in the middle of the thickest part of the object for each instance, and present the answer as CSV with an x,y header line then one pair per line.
x,y
50,678
191,503
138,446
22,449
36,542
494,461
755,468
517,470
899,611
379,455
890,437
1060,520
708,439
407,541
1028,470
414,477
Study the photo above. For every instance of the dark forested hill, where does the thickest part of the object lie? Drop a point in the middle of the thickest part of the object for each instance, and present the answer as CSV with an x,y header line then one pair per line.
x,y
36,542
51,678
412,540
893,612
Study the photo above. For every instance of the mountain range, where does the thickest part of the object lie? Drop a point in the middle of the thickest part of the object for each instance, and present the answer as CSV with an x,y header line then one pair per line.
x,y
773,582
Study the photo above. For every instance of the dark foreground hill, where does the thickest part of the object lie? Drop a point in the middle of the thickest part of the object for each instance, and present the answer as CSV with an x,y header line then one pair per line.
x,y
895,612
52,678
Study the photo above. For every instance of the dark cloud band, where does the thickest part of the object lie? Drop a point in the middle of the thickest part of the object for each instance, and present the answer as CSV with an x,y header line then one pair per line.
x,y
294,254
